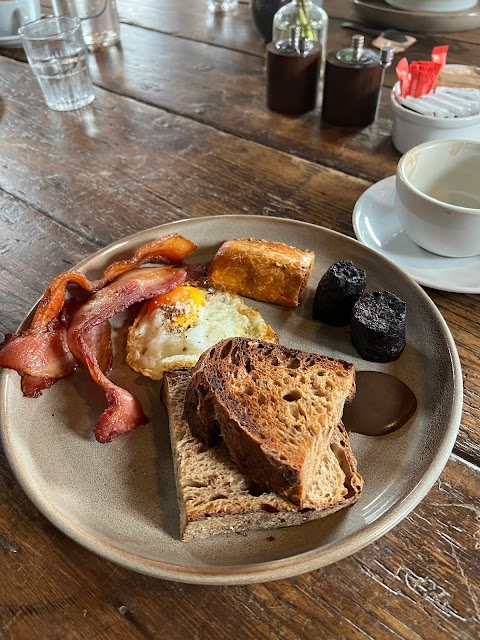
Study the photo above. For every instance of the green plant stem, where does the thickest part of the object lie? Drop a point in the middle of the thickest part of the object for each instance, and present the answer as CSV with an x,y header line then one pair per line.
x,y
304,19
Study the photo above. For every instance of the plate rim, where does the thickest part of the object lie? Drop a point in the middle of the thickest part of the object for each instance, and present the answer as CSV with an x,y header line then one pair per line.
x,y
386,16
274,569
474,11
356,214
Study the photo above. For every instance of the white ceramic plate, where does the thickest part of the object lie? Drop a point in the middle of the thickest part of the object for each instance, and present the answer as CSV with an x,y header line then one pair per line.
x,y
379,13
376,225
119,499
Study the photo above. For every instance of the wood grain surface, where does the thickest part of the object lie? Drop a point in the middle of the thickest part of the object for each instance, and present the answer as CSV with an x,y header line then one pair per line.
x,y
179,129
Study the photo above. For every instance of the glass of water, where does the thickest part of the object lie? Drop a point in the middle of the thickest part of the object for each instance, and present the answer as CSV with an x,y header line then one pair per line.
x,y
222,6
58,57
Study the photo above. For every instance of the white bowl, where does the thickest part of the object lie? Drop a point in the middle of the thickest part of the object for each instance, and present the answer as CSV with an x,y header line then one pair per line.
x,y
14,13
410,129
438,197
434,6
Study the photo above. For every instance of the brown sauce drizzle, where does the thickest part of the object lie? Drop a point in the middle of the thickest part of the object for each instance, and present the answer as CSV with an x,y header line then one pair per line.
x,y
382,404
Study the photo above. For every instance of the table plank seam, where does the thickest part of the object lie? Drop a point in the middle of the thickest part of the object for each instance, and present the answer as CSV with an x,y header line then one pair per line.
x,y
179,36
52,218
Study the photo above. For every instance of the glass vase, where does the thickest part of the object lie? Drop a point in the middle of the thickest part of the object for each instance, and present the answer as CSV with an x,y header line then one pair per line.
x,y
313,22
312,19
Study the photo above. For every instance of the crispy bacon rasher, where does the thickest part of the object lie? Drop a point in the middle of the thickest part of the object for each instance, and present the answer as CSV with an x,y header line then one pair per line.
x,y
171,249
124,412
63,335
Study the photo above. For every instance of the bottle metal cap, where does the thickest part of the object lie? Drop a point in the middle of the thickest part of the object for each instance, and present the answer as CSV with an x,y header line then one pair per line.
x,y
296,43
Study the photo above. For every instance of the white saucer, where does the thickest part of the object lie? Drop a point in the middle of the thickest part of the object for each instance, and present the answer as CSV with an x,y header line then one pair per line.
x,y
376,225
7,42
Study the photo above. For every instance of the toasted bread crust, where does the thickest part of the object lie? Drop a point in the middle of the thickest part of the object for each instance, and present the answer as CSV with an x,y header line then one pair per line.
x,y
275,407
216,497
262,270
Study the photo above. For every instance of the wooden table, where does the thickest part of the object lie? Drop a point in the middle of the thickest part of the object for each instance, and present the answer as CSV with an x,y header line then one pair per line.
x,y
179,129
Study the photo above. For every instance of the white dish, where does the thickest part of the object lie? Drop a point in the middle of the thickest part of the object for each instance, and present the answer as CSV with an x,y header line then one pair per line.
x,y
119,499
378,14
10,42
411,129
376,225
433,6
15,13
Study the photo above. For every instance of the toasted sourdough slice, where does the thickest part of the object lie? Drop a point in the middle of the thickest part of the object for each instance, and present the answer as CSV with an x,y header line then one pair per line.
x,y
214,496
275,408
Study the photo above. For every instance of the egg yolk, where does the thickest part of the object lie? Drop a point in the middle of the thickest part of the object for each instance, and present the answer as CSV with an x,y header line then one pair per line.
x,y
185,301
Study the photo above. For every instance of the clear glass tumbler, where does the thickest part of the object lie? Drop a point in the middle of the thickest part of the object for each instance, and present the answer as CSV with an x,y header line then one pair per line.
x,y
58,57
222,6
99,18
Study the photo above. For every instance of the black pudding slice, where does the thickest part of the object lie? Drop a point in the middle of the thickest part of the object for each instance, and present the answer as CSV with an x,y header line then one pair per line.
x,y
378,326
337,292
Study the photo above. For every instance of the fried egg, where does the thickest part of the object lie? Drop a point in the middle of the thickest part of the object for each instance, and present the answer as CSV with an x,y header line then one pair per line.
x,y
174,329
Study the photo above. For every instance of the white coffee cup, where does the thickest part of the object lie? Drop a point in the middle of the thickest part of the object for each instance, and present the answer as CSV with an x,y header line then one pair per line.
x,y
14,13
438,196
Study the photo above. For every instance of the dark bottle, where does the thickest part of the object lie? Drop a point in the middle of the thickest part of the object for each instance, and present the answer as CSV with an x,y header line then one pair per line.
x,y
263,12
293,68
353,81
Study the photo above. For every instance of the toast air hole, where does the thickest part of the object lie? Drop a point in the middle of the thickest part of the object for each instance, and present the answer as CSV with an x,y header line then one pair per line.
x,y
196,485
292,396
293,363
235,356
255,489
295,413
225,350
269,508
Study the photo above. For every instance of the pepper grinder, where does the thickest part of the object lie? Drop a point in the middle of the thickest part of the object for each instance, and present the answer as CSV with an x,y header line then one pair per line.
x,y
293,68
353,81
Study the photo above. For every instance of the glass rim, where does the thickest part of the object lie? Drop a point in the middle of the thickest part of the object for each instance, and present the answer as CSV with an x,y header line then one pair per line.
x,y
73,22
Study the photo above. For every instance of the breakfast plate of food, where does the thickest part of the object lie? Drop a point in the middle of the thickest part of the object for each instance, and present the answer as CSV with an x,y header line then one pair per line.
x,y
230,399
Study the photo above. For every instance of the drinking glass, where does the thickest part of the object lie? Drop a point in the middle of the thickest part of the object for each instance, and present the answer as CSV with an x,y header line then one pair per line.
x,y
222,6
58,57
99,18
